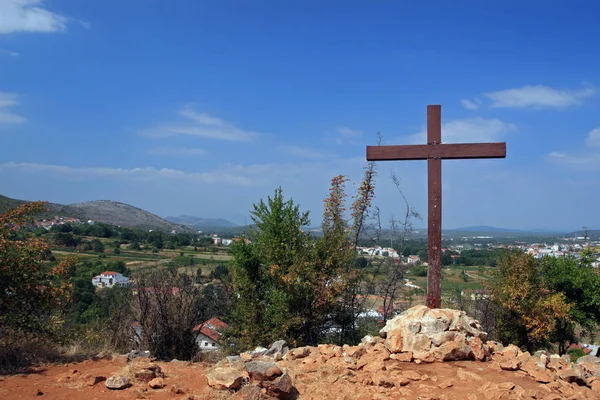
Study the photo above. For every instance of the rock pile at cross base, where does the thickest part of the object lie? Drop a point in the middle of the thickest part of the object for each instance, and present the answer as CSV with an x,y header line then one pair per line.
x,y
421,354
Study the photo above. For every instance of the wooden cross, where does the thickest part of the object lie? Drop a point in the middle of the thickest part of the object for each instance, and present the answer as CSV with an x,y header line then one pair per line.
x,y
434,152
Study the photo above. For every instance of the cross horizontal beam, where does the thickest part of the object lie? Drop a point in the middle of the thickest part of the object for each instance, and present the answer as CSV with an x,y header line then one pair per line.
x,y
443,151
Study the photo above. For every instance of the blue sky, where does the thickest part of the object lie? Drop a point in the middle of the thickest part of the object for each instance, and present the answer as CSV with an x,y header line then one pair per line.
x,y
203,108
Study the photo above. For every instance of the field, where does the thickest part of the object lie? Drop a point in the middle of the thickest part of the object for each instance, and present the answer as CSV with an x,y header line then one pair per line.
x,y
185,259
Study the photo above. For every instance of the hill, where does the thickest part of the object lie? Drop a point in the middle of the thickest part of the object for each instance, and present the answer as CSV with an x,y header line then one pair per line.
x,y
200,222
7,203
121,214
106,211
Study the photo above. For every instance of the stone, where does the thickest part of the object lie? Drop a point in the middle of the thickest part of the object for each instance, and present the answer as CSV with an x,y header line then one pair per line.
x,y
280,387
133,354
588,359
176,389
355,352
144,375
233,359
411,374
258,352
510,364
383,379
403,357
446,384
426,333
300,352
536,371
262,370
157,383
226,378
451,351
477,348
117,382
510,351
279,346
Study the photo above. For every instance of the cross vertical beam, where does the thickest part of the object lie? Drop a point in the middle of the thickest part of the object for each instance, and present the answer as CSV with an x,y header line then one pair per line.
x,y
434,215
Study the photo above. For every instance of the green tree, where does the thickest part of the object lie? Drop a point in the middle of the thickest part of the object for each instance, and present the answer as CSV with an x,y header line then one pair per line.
x,y
33,294
529,311
97,246
579,282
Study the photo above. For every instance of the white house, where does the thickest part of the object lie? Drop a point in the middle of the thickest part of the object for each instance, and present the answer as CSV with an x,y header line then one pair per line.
x,y
209,335
109,279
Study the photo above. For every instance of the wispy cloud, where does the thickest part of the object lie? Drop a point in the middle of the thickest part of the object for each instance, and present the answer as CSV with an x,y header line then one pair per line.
x,y
593,138
29,16
471,104
539,96
7,101
469,130
148,173
201,125
347,132
306,152
584,160
177,151
4,52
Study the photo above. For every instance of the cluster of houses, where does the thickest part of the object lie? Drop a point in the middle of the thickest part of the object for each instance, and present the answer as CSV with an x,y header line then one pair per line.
x,y
379,251
226,242
49,223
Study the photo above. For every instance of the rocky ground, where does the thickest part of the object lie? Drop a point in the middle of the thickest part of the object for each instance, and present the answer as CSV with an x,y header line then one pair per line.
x,y
422,354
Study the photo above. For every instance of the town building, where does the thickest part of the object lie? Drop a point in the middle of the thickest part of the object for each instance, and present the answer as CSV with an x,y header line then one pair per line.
x,y
210,334
108,279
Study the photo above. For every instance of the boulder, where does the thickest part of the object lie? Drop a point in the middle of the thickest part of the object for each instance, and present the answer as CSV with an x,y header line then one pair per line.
x,y
279,346
117,382
280,387
262,370
157,383
299,352
133,354
435,335
226,378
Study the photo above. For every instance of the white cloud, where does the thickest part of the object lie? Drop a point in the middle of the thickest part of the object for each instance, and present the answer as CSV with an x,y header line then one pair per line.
x,y
306,152
539,96
345,131
593,138
178,151
29,16
8,100
469,130
4,52
149,173
582,161
576,161
471,104
201,125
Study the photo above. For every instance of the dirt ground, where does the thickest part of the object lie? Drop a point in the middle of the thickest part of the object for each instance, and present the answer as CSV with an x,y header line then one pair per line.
x,y
71,382
312,379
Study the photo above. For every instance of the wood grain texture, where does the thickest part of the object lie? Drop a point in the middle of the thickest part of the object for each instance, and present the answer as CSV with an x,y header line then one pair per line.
x,y
443,151
434,215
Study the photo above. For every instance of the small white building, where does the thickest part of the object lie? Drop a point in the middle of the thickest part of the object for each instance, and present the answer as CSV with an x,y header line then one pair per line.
x,y
209,335
108,279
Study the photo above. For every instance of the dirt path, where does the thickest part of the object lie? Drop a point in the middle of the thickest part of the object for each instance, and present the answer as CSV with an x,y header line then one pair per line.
x,y
71,382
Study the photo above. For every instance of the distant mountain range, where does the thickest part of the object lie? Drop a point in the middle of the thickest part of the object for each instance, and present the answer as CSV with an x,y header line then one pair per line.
x,y
200,222
106,211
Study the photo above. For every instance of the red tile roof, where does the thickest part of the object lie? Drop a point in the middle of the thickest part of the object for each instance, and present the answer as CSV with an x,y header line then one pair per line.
x,y
109,273
212,328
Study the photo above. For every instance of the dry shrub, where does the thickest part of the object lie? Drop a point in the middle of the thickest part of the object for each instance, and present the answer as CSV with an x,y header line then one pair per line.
x,y
19,351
